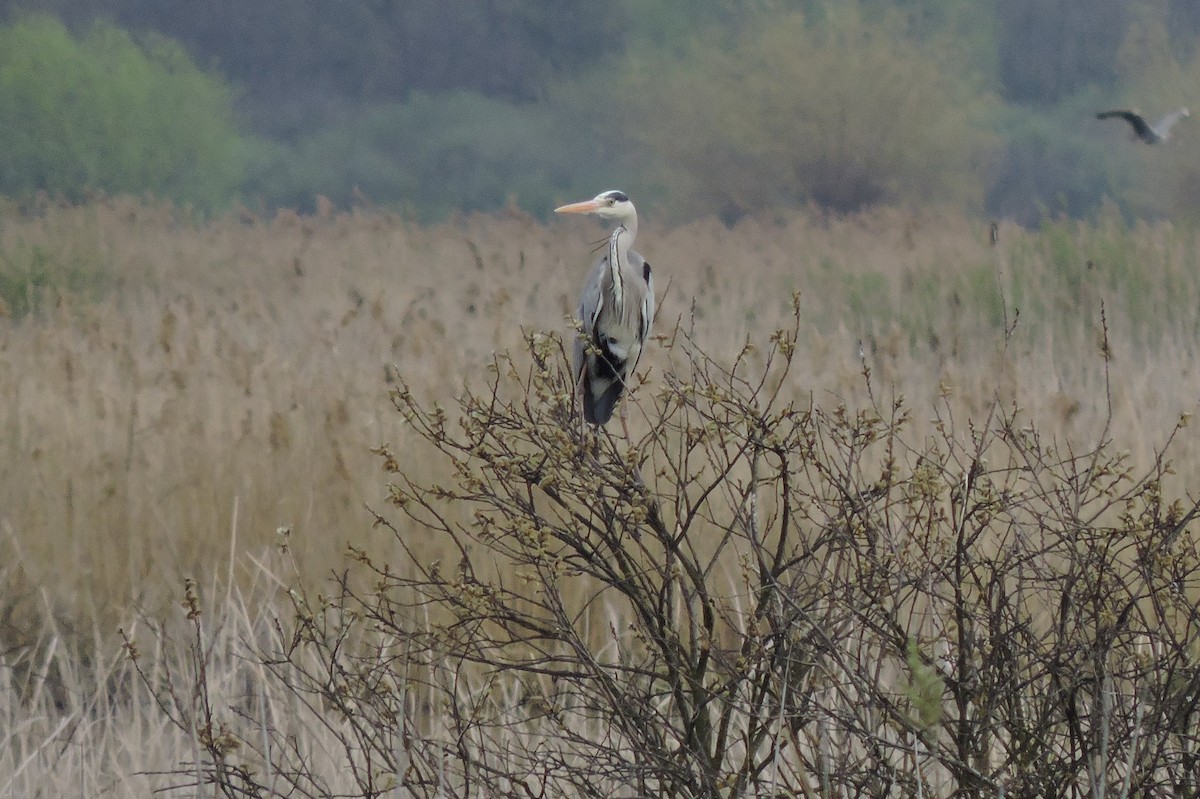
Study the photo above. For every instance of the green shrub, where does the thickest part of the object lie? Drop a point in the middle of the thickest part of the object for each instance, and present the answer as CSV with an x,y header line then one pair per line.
x,y
845,114
1058,162
105,112
64,261
27,276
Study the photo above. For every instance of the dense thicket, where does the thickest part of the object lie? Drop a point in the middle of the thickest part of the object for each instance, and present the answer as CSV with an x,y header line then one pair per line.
x,y
299,51
724,107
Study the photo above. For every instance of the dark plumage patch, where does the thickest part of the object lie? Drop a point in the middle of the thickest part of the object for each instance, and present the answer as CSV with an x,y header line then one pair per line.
x,y
617,196
646,273
608,365
1140,126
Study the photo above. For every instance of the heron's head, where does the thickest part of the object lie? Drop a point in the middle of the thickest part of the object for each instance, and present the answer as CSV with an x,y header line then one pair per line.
x,y
606,205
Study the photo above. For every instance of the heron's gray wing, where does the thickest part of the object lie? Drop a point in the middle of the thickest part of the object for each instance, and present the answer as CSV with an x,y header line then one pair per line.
x,y
591,303
646,312
649,305
600,374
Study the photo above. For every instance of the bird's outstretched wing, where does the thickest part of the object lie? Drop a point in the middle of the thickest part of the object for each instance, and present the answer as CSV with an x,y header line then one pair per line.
x,y
1140,126
1163,126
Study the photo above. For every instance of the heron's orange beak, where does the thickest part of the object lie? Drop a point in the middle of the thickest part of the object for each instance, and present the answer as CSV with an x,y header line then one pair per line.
x,y
585,207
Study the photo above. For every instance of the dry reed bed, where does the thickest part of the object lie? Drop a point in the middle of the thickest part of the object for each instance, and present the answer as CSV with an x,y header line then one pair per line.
x,y
75,725
220,380
190,388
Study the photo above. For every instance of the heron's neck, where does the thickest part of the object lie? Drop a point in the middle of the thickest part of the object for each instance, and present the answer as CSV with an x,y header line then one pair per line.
x,y
619,244
630,224
623,236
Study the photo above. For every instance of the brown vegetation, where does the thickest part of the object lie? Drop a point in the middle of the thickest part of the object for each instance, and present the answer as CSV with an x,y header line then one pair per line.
x,y
191,387
182,391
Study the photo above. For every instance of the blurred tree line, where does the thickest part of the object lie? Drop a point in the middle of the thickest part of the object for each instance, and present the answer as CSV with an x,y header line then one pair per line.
x,y
723,107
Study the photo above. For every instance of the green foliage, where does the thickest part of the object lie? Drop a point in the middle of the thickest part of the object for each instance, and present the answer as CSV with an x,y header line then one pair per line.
x,y
1051,51
925,687
432,155
30,274
866,293
844,115
721,106
1054,163
1106,259
105,112
960,34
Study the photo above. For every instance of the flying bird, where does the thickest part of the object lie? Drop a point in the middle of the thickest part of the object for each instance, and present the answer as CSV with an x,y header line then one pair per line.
x,y
1160,131
616,310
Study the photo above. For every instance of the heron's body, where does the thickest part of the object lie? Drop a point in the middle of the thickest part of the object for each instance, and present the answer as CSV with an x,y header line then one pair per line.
x,y
1160,131
616,310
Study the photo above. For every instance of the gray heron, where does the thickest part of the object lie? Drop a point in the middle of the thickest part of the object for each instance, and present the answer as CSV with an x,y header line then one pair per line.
x,y
1160,131
616,310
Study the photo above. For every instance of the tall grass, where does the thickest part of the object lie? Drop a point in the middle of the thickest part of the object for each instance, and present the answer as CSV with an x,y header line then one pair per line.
x,y
177,396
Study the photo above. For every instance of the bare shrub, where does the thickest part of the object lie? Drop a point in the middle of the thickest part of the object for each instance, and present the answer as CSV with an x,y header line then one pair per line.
x,y
756,597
